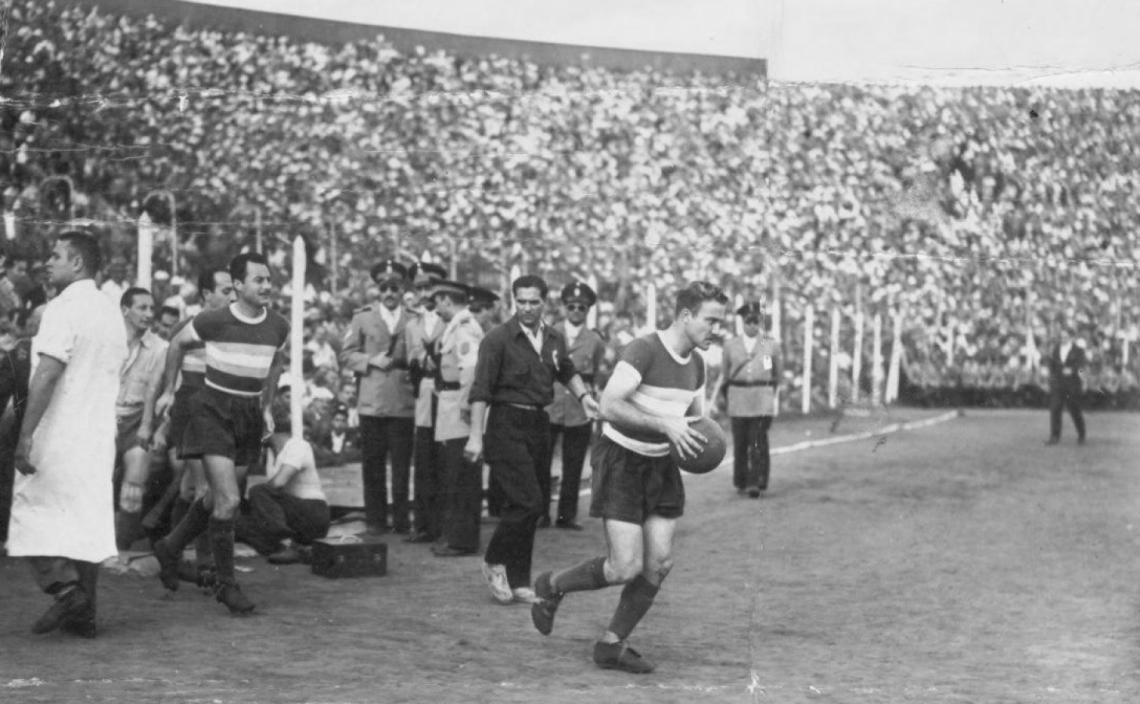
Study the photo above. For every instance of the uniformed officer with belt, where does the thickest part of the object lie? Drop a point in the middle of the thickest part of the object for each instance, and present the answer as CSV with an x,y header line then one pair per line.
x,y
462,487
375,348
587,350
750,380
423,333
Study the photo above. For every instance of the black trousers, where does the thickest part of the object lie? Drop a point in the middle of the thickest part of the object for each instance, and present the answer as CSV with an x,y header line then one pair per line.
x,y
274,516
575,443
381,438
462,496
1067,396
429,478
517,446
750,457
7,482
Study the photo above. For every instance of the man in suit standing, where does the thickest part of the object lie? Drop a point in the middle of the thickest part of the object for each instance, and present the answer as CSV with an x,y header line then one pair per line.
x,y
587,350
1067,364
750,378
374,348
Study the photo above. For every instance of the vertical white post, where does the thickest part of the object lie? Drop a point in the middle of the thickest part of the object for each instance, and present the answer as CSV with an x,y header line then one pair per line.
x,y
877,360
833,361
592,315
737,302
809,327
650,309
145,253
857,356
516,271
296,337
892,394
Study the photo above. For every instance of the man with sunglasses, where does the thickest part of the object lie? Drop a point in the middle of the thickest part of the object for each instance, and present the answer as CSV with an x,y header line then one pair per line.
x,y
516,368
375,349
423,332
587,350
750,381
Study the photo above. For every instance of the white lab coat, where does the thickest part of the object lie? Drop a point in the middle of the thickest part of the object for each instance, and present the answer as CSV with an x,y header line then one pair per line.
x,y
66,508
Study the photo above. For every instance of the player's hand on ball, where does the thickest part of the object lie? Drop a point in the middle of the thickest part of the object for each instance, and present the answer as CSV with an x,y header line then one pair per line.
x,y
683,437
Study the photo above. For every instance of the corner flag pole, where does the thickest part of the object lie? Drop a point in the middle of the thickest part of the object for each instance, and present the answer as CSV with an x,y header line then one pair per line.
x,y
296,336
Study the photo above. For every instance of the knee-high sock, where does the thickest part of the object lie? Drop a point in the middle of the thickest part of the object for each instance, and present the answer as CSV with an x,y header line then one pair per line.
x,y
178,511
195,521
222,542
203,551
636,598
584,576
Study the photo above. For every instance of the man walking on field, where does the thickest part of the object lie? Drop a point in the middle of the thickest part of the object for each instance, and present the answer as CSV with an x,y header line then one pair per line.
x,y
656,390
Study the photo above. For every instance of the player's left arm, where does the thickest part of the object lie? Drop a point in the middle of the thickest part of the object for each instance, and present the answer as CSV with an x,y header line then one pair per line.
x,y
269,393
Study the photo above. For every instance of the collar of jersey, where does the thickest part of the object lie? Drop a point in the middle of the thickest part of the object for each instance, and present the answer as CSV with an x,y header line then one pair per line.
x,y
246,319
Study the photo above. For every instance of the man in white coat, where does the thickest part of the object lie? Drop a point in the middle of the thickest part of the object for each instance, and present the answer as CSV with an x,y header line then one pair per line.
x,y
62,510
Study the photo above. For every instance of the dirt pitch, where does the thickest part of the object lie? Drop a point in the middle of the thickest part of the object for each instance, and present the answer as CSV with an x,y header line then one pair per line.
x,y
962,562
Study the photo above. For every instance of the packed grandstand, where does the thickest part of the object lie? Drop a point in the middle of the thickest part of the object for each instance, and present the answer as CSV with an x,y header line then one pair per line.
x,y
982,216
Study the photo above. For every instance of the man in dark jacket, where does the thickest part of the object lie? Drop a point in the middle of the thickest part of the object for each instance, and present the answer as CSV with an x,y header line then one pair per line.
x,y
1067,363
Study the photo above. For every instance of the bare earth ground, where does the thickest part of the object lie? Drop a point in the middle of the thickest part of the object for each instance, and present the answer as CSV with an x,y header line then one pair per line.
x,y
962,562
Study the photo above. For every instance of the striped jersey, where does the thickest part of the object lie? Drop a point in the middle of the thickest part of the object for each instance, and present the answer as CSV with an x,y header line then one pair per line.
x,y
239,350
669,385
193,360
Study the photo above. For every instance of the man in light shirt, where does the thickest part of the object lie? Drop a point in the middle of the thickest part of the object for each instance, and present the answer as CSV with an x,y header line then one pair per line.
x,y
290,506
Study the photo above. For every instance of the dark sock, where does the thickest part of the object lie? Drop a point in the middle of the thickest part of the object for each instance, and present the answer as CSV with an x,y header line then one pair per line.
x,y
203,552
222,542
636,598
584,576
178,511
196,520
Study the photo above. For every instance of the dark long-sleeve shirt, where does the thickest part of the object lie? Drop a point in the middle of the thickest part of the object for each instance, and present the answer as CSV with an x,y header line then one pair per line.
x,y
510,371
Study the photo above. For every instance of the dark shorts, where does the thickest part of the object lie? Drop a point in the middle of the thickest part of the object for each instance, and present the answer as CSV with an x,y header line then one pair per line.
x,y
627,486
180,416
127,431
224,425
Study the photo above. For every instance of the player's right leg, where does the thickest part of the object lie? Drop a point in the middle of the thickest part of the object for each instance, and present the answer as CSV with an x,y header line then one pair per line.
x,y
223,479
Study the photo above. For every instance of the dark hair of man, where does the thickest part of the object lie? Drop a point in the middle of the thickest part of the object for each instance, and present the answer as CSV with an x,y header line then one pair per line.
x,y
169,310
128,298
695,295
240,264
86,248
208,280
529,281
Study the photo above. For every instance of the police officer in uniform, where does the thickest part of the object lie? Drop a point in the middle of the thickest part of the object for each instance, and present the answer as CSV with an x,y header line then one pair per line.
x,y
749,380
375,349
587,350
423,336
462,496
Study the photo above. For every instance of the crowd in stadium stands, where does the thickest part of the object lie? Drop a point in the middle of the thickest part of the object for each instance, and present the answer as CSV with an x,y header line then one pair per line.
x,y
980,214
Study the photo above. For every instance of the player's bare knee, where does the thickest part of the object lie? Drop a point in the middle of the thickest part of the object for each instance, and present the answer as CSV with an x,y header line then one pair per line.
x,y
622,571
225,507
658,569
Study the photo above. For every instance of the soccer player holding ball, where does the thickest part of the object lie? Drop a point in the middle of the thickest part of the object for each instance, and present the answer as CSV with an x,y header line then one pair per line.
x,y
649,407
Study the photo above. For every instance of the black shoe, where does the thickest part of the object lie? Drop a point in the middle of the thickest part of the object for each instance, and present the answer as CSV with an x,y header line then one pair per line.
x,y
544,522
168,565
421,536
230,594
1052,441
72,604
82,626
568,525
448,551
754,492
619,656
542,611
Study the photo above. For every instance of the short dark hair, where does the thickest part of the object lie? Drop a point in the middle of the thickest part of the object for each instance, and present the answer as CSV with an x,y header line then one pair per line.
x,y
170,310
529,281
208,279
696,294
86,247
240,264
128,298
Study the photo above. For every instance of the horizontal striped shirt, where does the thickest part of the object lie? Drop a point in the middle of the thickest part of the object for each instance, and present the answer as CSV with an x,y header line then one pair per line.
x,y
193,360
668,386
239,350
